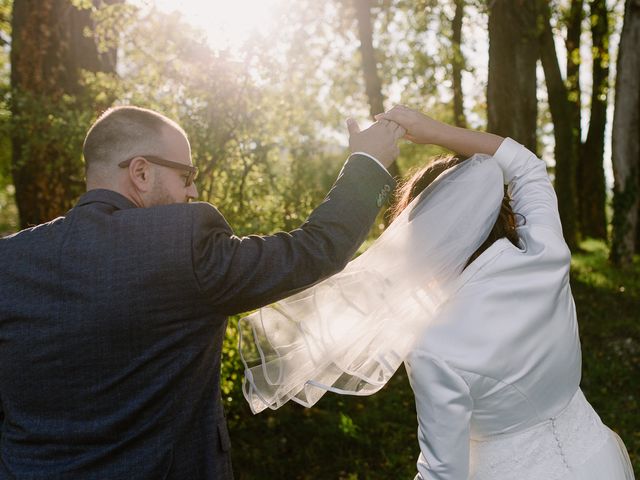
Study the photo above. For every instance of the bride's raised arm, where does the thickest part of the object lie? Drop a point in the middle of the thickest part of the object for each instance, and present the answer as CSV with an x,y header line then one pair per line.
x,y
426,130
530,188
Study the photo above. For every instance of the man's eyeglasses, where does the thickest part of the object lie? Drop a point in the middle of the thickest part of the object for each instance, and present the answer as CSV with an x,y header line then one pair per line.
x,y
192,172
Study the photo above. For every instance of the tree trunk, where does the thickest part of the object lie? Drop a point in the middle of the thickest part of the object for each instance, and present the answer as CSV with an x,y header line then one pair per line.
x,y
48,50
591,179
513,52
626,140
572,43
565,150
457,65
372,82
369,64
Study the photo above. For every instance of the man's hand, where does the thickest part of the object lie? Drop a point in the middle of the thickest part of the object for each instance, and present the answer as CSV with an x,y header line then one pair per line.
x,y
379,140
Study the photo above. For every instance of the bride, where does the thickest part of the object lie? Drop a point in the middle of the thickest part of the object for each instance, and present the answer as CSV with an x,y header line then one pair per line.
x,y
475,299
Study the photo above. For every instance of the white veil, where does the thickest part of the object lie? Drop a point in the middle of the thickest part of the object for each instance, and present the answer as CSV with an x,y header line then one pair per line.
x,y
349,333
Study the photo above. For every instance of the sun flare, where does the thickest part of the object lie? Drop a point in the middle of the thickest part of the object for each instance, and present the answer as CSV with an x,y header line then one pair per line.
x,y
227,23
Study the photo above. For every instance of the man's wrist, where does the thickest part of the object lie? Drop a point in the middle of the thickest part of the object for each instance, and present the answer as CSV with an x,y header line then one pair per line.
x,y
372,158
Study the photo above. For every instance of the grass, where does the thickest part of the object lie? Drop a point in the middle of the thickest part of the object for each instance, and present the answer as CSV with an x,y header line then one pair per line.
x,y
8,210
355,438
608,305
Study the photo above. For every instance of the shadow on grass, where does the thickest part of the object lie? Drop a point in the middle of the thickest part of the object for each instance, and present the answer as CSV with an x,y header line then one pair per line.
x,y
355,438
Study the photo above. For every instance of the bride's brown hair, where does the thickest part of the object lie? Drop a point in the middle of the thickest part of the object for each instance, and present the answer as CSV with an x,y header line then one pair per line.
x,y
505,226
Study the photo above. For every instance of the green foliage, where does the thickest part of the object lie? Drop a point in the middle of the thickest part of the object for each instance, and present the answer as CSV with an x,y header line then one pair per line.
x,y
48,131
261,159
624,200
232,370
45,122
265,123
82,4
110,21
418,62
8,210
347,427
5,21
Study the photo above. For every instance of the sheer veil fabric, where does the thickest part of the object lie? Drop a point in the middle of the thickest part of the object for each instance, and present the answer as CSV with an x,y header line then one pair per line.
x,y
349,333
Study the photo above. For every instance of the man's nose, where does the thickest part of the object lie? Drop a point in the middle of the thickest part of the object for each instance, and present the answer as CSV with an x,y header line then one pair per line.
x,y
192,192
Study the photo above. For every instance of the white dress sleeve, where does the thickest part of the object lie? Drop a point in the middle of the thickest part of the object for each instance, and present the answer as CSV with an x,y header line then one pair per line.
x,y
444,406
530,188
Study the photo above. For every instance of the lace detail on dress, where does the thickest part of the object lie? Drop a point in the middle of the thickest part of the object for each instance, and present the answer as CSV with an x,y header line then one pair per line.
x,y
549,450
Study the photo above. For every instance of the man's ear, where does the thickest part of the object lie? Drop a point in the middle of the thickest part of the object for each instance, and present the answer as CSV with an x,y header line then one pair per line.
x,y
140,174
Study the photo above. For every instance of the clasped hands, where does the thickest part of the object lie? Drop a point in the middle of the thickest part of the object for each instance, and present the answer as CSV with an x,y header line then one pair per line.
x,y
380,140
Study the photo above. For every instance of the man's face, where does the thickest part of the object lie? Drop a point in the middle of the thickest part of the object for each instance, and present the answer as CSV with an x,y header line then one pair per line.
x,y
169,183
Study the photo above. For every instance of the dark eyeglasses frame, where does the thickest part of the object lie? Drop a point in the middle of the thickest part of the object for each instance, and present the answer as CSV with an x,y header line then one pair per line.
x,y
190,169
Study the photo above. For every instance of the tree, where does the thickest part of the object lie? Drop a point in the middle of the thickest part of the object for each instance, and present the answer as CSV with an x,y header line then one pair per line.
x,y
591,179
566,140
574,19
626,140
426,60
372,81
457,65
8,212
513,52
589,161
49,50
369,63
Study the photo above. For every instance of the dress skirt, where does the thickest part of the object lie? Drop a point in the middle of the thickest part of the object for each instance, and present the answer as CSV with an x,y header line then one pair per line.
x,y
574,445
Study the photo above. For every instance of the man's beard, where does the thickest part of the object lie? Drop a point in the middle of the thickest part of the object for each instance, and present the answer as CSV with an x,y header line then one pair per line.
x,y
160,195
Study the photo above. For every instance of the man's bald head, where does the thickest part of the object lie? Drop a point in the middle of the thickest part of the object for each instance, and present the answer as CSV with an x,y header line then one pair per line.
x,y
122,133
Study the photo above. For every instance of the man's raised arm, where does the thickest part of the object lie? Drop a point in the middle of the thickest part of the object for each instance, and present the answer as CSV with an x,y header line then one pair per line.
x,y
237,274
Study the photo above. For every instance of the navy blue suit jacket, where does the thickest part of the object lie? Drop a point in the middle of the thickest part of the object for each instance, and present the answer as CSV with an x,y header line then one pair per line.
x,y
112,320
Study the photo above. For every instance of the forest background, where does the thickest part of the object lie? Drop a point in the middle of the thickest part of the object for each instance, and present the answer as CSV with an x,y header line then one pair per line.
x,y
265,114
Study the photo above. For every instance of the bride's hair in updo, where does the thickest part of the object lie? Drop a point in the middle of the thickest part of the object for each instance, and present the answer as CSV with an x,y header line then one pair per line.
x,y
505,226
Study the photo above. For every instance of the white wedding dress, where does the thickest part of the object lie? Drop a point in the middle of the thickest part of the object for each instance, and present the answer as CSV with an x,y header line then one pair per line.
x,y
496,375
492,349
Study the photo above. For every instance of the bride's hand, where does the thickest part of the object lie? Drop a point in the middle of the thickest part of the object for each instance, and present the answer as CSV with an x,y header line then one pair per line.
x,y
420,128
423,129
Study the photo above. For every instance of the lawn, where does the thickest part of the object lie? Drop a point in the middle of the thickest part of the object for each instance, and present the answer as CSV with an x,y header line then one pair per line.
x,y
355,438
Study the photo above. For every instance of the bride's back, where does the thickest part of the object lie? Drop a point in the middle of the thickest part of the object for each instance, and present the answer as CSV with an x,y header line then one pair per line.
x,y
510,331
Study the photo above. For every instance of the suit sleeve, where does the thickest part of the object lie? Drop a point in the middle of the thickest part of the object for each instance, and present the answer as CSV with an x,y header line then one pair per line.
x,y
444,406
236,274
530,188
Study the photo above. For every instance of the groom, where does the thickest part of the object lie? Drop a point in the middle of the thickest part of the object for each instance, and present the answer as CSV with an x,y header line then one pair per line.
x,y
112,317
